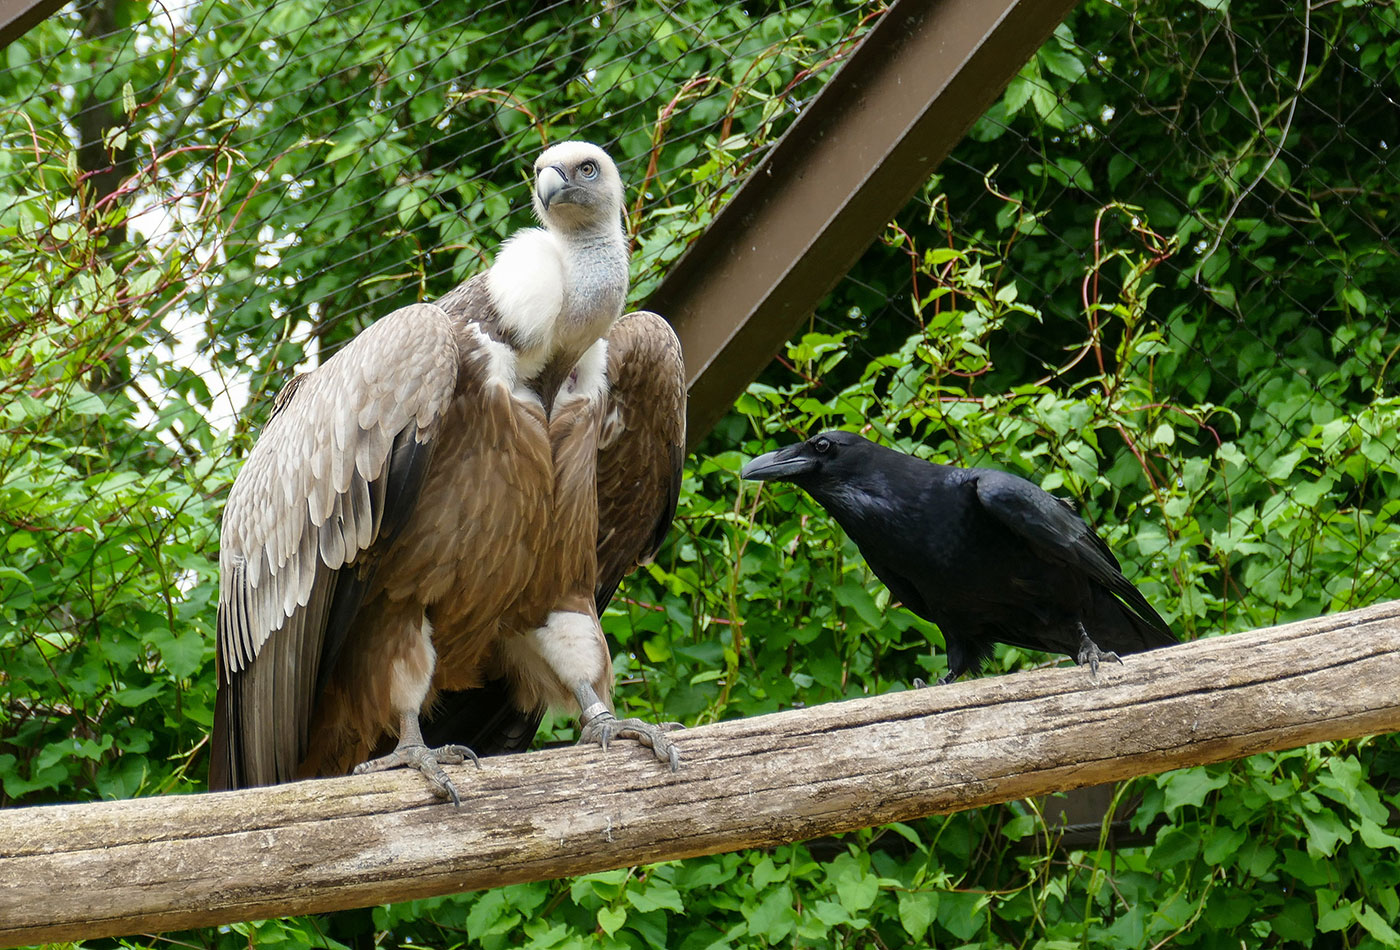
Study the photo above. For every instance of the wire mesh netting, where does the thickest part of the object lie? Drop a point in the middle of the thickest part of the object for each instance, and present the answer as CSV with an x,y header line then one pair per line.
x,y
1157,278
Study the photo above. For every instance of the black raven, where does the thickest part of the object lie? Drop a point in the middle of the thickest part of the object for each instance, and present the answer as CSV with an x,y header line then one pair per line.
x,y
987,556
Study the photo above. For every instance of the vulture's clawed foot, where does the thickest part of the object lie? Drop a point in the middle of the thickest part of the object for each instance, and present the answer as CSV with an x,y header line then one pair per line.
x,y
428,761
1090,653
605,727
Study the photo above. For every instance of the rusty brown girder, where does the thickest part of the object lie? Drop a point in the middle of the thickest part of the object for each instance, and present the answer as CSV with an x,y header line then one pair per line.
x,y
919,79
18,17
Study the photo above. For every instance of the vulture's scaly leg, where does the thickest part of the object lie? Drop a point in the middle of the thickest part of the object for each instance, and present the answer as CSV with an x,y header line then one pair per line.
x,y
601,726
573,649
412,752
1090,653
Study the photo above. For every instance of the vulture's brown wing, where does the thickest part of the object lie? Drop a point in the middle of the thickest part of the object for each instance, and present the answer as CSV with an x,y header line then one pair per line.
x,y
334,474
641,447
639,479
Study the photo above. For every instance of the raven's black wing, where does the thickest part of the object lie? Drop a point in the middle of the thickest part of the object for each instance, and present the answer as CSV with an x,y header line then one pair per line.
x,y
1058,535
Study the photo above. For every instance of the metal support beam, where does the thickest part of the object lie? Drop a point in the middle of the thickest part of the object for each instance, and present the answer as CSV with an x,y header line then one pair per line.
x,y
18,17
922,75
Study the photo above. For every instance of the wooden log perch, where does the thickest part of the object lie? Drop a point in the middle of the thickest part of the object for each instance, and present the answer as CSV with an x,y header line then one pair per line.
x,y
78,871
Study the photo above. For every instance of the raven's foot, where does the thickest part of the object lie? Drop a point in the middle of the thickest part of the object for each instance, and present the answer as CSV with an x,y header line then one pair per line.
x,y
944,680
426,760
1090,653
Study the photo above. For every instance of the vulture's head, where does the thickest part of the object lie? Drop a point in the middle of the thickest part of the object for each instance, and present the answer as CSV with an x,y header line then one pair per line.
x,y
577,187
831,457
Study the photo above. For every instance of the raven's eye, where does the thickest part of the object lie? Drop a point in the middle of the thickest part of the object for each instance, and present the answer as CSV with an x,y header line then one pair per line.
x,y
822,445
588,169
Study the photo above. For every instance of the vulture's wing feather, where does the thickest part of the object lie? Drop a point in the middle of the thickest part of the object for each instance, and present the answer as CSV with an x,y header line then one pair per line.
x,y
641,447
334,474
395,494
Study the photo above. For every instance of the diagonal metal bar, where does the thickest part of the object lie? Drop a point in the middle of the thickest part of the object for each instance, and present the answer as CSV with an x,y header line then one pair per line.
x,y
907,95
18,17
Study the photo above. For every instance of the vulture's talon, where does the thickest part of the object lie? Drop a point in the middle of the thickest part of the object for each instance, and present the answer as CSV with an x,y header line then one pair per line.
x,y
428,761
605,727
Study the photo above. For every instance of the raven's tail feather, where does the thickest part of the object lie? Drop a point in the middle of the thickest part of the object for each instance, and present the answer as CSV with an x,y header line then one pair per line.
x,y
1132,625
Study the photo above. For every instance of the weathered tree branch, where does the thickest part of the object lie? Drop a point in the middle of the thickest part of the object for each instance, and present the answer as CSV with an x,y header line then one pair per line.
x,y
76,871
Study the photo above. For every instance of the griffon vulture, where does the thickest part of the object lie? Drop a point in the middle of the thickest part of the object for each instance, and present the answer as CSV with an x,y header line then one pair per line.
x,y
446,503
988,556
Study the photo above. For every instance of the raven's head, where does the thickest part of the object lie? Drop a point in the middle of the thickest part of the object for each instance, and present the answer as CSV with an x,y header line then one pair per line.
x,y
577,187
828,456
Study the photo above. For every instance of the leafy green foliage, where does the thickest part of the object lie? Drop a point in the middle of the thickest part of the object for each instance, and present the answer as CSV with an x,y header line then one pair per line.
x,y
1156,279
107,587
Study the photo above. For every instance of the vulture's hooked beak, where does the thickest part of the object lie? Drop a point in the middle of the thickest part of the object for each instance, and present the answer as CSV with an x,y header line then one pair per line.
x,y
781,465
550,182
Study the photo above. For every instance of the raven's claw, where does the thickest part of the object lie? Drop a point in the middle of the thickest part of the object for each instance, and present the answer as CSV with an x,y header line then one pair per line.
x,y
1090,653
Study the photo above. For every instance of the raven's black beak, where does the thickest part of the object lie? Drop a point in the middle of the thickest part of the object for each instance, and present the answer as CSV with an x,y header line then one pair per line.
x,y
781,465
550,181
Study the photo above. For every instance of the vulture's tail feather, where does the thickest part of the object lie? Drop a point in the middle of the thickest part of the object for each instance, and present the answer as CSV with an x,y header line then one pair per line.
x,y
223,771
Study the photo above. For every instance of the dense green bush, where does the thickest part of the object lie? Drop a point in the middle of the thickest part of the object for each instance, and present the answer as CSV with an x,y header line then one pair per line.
x,y
1157,279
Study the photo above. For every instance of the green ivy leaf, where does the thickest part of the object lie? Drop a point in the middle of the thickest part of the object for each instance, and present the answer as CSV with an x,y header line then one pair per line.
x,y
917,910
766,873
182,655
1174,846
1190,787
1020,826
611,918
773,918
1373,836
1294,922
134,696
1377,927
657,895
1325,832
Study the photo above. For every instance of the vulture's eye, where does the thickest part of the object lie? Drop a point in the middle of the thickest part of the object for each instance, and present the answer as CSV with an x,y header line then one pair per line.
x,y
588,169
822,445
